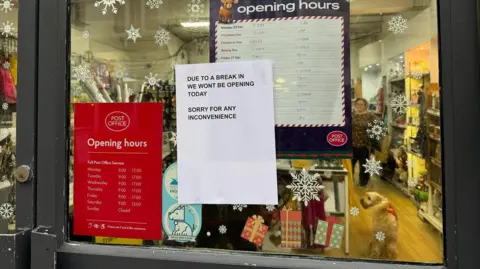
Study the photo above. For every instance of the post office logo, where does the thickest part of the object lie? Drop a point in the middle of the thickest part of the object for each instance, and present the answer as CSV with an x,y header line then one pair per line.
x,y
117,121
337,138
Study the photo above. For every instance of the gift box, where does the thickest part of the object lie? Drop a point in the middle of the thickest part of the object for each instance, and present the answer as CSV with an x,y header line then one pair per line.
x,y
254,230
329,233
291,228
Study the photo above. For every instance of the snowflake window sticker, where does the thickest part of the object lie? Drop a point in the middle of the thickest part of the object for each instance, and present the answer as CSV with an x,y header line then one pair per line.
x,y
354,211
152,81
162,37
372,167
86,34
6,211
195,9
82,73
5,106
154,3
305,187
7,28
6,65
380,236
397,25
270,208
399,104
109,4
239,207
6,6
377,129
412,182
133,33
222,229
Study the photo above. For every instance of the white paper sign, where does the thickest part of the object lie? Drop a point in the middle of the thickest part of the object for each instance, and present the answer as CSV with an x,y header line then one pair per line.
x,y
225,133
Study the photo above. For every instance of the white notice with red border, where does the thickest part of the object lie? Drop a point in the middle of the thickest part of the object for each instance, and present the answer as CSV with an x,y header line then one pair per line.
x,y
308,64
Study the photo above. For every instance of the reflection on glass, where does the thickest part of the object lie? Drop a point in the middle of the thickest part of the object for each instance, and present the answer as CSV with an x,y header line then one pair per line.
x,y
384,204
8,100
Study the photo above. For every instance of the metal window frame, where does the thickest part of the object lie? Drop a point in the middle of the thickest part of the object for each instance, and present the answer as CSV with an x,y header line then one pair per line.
x,y
15,252
459,69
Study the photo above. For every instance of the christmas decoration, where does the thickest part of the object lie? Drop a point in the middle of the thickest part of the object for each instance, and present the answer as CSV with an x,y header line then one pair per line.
x,y
397,25
109,4
239,207
291,228
254,230
133,33
372,167
305,187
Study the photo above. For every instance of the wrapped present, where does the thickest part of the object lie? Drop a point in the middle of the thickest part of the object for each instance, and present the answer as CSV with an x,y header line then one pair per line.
x,y
329,233
254,230
291,228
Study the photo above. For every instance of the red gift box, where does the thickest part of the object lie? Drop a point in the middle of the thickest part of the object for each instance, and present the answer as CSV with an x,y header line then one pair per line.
x,y
292,230
254,230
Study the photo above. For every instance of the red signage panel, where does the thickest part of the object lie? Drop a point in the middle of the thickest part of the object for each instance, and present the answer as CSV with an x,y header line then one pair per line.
x,y
118,170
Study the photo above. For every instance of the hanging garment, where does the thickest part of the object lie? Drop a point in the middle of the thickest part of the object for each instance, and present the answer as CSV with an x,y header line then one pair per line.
x,y
8,87
314,211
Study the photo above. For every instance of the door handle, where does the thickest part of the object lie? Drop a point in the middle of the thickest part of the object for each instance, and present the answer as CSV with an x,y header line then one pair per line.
x,y
23,173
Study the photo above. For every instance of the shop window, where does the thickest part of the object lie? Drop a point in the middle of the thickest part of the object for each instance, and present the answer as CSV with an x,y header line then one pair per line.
x,y
380,198
8,111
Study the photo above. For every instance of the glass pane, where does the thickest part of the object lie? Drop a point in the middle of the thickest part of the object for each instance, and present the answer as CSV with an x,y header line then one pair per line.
x,y
8,99
377,195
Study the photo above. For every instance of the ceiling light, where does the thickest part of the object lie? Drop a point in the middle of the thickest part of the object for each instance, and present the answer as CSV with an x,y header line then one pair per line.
x,y
195,24
378,64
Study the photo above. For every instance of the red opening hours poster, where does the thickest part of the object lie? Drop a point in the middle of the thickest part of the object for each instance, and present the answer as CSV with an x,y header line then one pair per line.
x,y
118,170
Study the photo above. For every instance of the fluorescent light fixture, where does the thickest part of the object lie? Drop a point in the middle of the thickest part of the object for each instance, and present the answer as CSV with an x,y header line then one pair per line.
x,y
195,24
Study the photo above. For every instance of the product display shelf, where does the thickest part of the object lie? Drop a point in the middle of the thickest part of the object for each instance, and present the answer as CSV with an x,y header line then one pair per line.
x,y
337,206
429,215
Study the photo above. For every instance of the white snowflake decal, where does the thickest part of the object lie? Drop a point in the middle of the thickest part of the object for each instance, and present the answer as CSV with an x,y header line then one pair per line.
x,y
162,37
6,211
133,33
399,104
154,3
152,81
354,211
6,65
372,167
397,25
270,208
4,106
86,34
109,4
222,229
377,129
305,187
82,73
195,8
380,236
239,207
6,5
174,138
7,28
412,182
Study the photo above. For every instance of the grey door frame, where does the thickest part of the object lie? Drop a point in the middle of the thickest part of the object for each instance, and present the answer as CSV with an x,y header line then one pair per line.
x,y
15,252
459,72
